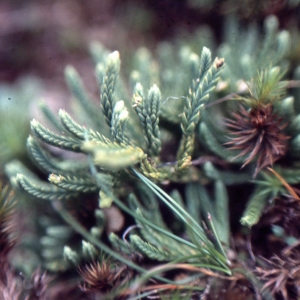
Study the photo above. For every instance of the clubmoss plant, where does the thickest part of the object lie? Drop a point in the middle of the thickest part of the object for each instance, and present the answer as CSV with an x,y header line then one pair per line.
x,y
121,153
213,132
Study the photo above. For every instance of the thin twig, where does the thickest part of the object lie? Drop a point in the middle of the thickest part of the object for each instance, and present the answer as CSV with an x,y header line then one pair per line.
x,y
286,185
220,100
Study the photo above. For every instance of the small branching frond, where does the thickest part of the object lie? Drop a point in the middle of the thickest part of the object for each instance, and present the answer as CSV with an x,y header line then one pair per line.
x,y
74,183
198,96
113,156
152,132
78,131
39,189
118,123
205,63
138,103
148,249
267,188
89,251
44,161
148,110
108,85
59,141
71,255
255,206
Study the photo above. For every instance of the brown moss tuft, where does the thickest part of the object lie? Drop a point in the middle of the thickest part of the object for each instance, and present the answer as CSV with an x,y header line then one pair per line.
x,y
258,134
101,277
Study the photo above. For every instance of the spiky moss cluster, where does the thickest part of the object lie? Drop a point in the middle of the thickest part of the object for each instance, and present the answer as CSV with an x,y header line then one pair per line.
x,y
280,268
101,277
262,130
257,133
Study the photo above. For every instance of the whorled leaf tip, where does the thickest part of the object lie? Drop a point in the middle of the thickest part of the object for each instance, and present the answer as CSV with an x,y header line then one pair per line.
x,y
34,123
119,106
138,86
61,112
114,57
88,249
30,139
206,51
155,88
19,176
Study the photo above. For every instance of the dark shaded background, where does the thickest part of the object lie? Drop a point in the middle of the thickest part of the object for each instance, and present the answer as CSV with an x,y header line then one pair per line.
x,y
42,37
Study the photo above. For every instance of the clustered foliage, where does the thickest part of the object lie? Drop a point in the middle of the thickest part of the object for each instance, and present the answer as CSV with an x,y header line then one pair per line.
x,y
176,134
